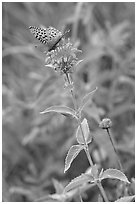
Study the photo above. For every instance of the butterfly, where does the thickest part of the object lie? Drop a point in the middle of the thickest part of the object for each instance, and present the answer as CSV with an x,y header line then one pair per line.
x,y
49,36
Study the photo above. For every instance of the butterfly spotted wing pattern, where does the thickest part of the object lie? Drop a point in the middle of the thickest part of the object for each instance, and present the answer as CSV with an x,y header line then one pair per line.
x,y
49,36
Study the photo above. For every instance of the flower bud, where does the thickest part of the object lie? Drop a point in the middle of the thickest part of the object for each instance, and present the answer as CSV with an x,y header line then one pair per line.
x,y
105,123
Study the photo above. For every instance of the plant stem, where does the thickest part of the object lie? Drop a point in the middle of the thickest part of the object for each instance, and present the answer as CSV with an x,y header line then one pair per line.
x,y
115,150
72,94
102,191
79,123
86,145
88,156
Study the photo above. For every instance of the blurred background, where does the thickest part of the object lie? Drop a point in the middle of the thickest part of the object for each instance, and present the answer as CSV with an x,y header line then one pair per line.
x,y
34,145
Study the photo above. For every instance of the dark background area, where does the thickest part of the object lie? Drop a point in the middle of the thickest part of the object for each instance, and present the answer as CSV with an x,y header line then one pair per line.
x,y
34,145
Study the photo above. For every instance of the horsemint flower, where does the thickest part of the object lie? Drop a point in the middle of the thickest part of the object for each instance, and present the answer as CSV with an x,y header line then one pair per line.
x,y
64,58
105,123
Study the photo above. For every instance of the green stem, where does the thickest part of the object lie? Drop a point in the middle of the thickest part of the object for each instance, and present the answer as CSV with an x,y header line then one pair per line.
x,y
88,156
79,123
86,145
115,150
102,192
72,94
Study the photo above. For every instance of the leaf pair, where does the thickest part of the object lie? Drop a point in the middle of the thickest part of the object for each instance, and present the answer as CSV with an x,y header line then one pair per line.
x,y
83,138
64,110
85,178
83,135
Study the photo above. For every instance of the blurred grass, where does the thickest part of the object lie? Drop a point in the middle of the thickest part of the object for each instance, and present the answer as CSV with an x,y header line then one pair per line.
x,y
34,145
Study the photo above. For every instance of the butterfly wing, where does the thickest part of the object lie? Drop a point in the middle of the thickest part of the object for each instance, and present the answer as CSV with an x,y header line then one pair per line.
x,y
49,36
54,37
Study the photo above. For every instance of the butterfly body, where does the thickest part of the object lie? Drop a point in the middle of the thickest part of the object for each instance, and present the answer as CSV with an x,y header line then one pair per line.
x,y
49,36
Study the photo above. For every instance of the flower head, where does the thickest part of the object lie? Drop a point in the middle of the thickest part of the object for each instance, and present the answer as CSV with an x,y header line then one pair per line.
x,y
64,58
105,123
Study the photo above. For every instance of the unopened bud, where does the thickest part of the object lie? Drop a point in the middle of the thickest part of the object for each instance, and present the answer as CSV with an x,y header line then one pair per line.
x,y
105,123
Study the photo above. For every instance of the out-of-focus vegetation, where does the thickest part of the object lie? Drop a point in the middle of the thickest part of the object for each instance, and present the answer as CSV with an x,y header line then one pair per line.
x,y
35,145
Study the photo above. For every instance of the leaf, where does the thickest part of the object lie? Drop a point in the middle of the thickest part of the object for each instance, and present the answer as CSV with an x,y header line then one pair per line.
x,y
86,99
126,199
64,110
114,174
86,133
78,181
72,153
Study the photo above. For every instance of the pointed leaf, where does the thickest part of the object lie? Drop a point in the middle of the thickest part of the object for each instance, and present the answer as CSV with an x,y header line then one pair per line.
x,y
114,174
78,181
64,110
85,131
86,99
72,153
126,199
